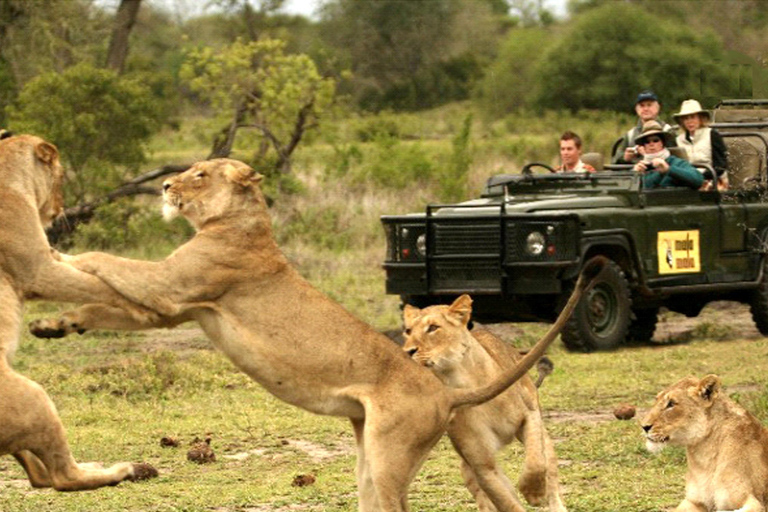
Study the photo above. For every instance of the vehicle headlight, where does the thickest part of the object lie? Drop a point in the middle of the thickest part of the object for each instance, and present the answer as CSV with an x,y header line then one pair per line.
x,y
421,244
534,243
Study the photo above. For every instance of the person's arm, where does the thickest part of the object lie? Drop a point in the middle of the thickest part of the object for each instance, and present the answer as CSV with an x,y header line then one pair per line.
x,y
719,153
684,173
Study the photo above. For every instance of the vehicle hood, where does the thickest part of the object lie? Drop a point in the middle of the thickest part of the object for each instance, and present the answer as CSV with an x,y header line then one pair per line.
x,y
548,203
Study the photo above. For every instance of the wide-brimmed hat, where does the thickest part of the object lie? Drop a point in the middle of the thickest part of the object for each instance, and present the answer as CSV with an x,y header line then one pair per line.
x,y
653,128
690,107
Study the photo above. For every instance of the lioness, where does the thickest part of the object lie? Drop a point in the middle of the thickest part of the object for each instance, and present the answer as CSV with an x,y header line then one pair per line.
x,y
301,346
726,446
30,428
438,338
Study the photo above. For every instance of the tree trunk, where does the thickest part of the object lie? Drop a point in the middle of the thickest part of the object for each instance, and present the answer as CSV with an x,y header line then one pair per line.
x,y
118,44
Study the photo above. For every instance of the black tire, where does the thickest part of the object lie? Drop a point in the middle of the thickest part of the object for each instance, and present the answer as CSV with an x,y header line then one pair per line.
x,y
601,319
641,329
758,303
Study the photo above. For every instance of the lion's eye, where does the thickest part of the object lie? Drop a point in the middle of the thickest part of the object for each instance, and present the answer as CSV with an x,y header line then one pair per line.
x,y
407,332
200,174
670,404
432,328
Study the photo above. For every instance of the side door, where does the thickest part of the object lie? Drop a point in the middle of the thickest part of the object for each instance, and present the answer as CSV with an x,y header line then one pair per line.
x,y
683,235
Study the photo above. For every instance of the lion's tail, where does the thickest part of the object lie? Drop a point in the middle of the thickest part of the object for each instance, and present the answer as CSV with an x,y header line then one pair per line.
x,y
476,396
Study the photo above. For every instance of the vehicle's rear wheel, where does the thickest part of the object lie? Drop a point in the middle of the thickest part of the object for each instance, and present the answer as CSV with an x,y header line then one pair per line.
x,y
601,319
758,303
641,329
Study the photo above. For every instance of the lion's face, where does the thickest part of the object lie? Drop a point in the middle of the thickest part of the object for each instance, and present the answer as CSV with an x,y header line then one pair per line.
x,y
437,336
211,189
680,414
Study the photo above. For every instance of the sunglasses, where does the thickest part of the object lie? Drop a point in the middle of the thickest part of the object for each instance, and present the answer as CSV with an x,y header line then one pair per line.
x,y
651,140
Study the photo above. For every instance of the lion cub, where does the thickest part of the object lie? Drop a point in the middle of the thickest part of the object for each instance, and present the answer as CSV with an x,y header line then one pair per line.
x,y
438,338
726,446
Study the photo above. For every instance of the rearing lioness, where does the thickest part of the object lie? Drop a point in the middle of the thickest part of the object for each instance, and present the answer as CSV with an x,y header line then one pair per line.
x,y
301,346
438,338
726,446
30,428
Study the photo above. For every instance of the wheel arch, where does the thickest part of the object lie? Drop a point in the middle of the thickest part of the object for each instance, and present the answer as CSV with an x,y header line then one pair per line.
x,y
620,248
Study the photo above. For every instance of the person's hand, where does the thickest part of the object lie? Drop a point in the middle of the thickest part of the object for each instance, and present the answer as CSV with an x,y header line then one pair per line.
x,y
641,166
640,150
660,165
629,154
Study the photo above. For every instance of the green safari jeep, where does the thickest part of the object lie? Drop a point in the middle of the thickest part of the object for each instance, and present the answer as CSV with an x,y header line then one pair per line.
x,y
518,249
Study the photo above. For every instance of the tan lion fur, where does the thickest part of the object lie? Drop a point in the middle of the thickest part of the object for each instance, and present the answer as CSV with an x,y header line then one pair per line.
x,y
30,428
726,446
297,343
438,338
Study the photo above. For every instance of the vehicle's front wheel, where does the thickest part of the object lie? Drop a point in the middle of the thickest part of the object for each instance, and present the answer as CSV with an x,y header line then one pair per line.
x,y
758,303
601,319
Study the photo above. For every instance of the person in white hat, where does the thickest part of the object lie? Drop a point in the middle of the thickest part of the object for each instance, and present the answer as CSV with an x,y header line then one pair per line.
x,y
703,144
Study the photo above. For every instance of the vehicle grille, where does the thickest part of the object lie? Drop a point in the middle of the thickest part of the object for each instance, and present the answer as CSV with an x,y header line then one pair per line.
x,y
457,238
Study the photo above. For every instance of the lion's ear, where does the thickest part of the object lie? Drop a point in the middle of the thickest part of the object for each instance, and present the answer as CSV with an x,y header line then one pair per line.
x,y
242,174
47,152
409,314
462,308
709,388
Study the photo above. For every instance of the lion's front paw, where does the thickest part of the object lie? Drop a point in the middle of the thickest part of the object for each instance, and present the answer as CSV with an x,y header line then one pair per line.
x,y
54,328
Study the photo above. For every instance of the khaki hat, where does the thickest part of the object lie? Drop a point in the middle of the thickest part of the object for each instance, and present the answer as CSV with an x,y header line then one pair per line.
x,y
654,128
690,107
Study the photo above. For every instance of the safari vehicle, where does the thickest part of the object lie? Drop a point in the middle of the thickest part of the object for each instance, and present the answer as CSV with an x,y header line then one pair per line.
x,y
517,250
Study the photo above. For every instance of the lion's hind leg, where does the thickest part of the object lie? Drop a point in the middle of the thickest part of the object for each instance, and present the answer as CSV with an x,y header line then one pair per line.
x,y
397,441
532,483
34,430
485,480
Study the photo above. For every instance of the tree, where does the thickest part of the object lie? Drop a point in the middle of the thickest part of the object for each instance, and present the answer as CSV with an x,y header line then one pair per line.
x,y
411,55
256,85
118,44
99,121
611,52
507,84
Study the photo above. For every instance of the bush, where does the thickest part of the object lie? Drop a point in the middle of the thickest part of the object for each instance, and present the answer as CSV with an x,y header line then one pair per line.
x,y
100,121
125,224
395,164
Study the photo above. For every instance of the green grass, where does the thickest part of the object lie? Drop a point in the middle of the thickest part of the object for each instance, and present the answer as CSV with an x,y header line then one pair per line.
x,y
118,395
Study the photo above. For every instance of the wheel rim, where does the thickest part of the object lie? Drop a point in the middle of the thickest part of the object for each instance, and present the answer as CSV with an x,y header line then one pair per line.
x,y
602,306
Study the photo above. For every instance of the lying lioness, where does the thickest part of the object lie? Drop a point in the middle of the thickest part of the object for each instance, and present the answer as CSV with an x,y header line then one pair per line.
x,y
726,446
438,338
30,428
300,345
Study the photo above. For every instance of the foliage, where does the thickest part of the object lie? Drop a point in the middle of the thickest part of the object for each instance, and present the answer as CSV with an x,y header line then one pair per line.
x,y
125,224
410,55
100,121
257,85
396,164
509,82
610,53
453,182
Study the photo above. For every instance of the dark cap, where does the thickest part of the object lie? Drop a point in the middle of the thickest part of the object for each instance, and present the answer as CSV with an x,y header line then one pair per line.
x,y
646,95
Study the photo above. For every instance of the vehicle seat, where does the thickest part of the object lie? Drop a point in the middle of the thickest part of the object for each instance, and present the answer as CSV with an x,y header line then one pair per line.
x,y
745,162
593,159
678,152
